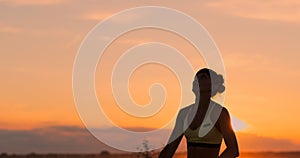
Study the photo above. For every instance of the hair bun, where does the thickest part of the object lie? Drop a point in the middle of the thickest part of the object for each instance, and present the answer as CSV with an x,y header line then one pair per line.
x,y
218,82
220,78
221,89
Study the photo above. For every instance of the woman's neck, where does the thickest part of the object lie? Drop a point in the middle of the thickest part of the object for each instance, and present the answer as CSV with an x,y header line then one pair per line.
x,y
202,101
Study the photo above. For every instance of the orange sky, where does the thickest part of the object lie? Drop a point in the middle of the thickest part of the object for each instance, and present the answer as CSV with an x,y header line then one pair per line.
x,y
259,43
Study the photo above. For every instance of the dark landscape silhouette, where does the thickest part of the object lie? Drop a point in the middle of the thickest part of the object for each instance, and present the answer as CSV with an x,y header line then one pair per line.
x,y
105,154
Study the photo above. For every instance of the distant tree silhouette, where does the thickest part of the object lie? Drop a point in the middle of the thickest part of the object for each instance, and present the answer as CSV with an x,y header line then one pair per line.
x,y
104,153
3,155
32,154
145,151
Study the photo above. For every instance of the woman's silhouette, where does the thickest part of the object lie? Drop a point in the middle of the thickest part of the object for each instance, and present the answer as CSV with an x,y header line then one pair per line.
x,y
204,123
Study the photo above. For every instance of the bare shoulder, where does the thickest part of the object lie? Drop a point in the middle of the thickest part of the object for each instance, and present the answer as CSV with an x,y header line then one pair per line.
x,y
225,112
224,116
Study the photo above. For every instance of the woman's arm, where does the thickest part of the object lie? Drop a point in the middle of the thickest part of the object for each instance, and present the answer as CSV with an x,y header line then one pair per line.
x,y
232,149
169,150
175,138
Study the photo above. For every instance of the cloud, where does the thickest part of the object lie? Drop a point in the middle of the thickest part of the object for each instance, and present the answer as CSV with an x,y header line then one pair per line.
x,y
30,2
73,139
118,17
94,16
288,10
251,142
10,29
243,60
56,139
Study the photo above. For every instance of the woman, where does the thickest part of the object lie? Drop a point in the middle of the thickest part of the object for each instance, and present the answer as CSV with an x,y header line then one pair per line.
x,y
204,123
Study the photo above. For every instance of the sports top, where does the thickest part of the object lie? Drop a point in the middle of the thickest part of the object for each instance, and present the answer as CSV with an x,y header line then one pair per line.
x,y
207,134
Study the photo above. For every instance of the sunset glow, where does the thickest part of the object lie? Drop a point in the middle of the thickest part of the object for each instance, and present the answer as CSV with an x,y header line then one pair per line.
x,y
258,41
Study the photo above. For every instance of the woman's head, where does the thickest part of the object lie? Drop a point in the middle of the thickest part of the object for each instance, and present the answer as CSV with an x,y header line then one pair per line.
x,y
208,81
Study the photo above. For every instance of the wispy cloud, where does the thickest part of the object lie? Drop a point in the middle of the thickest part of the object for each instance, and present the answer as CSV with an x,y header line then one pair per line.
x,y
243,60
253,142
95,16
56,139
10,29
31,2
118,18
288,10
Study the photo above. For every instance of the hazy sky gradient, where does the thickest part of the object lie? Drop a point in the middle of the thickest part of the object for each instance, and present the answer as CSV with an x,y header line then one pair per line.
x,y
259,43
